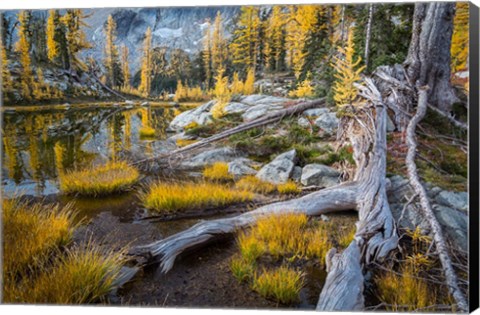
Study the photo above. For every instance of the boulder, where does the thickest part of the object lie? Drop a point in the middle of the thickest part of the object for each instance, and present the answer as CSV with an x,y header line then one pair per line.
x,y
328,122
455,224
235,108
241,167
279,170
257,99
200,115
315,112
297,174
209,157
453,200
260,110
319,175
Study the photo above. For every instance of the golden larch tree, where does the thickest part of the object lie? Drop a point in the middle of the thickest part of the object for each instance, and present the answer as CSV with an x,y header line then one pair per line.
x,y
125,68
274,45
245,46
111,52
76,38
53,49
460,37
146,71
6,77
248,86
347,73
23,48
219,46
207,54
221,92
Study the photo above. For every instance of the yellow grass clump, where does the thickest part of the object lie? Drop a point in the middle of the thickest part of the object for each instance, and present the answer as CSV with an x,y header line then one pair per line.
x,y
170,197
288,188
241,269
217,172
110,178
147,132
36,270
254,184
282,284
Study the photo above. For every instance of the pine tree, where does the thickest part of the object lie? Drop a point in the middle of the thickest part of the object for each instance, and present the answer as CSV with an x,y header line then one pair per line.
x,y
112,62
347,73
207,55
125,69
76,39
460,37
23,47
246,41
53,49
146,71
219,46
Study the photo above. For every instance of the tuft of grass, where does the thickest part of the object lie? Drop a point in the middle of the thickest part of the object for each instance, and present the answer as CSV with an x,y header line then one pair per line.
x,y
81,275
217,172
254,184
282,284
319,243
171,197
250,248
31,233
288,188
36,266
110,178
185,142
147,132
404,291
241,269
345,237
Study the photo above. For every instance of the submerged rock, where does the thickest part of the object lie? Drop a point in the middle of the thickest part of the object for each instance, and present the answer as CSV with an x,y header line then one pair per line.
x,y
319,175
280,169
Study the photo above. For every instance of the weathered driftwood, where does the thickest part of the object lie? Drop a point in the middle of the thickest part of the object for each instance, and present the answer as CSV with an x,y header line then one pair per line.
x,y
270,118
338,198
436,229
376,233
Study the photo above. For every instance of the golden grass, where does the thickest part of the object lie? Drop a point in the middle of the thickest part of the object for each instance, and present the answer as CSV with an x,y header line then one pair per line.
x,y
404,291
241,269
250,248
282,284
254,184
217,172
31,232
37,269
288,188
110,178
184,142
345,237
170,197
146,132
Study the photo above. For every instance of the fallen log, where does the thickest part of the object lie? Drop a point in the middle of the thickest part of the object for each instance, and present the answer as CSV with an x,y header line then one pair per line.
x,y
436,229
270,118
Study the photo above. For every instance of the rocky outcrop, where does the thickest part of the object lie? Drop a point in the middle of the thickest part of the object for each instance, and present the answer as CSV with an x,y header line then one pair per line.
x,y
450,208
319,175
280,169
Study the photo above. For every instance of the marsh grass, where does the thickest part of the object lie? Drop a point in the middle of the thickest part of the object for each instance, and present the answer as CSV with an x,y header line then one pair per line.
x,y
146,132
171,197
39,268
217,172
282,284
113,177
254,184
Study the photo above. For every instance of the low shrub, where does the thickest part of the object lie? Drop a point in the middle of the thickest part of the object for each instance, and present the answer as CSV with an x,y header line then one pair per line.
x,y
217,172
282,284
170,197
110,178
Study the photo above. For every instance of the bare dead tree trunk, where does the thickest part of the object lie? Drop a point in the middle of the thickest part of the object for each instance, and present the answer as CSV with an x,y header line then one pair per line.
x,y
369,35
439,239
428,60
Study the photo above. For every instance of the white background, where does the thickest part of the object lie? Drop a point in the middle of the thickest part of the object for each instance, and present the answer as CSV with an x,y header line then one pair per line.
x,y
107,310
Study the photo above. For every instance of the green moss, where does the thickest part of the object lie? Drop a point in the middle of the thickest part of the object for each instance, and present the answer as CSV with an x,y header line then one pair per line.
x,y
344,154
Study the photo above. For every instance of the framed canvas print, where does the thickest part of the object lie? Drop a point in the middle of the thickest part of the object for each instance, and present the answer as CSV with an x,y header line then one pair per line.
x,y
278,156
